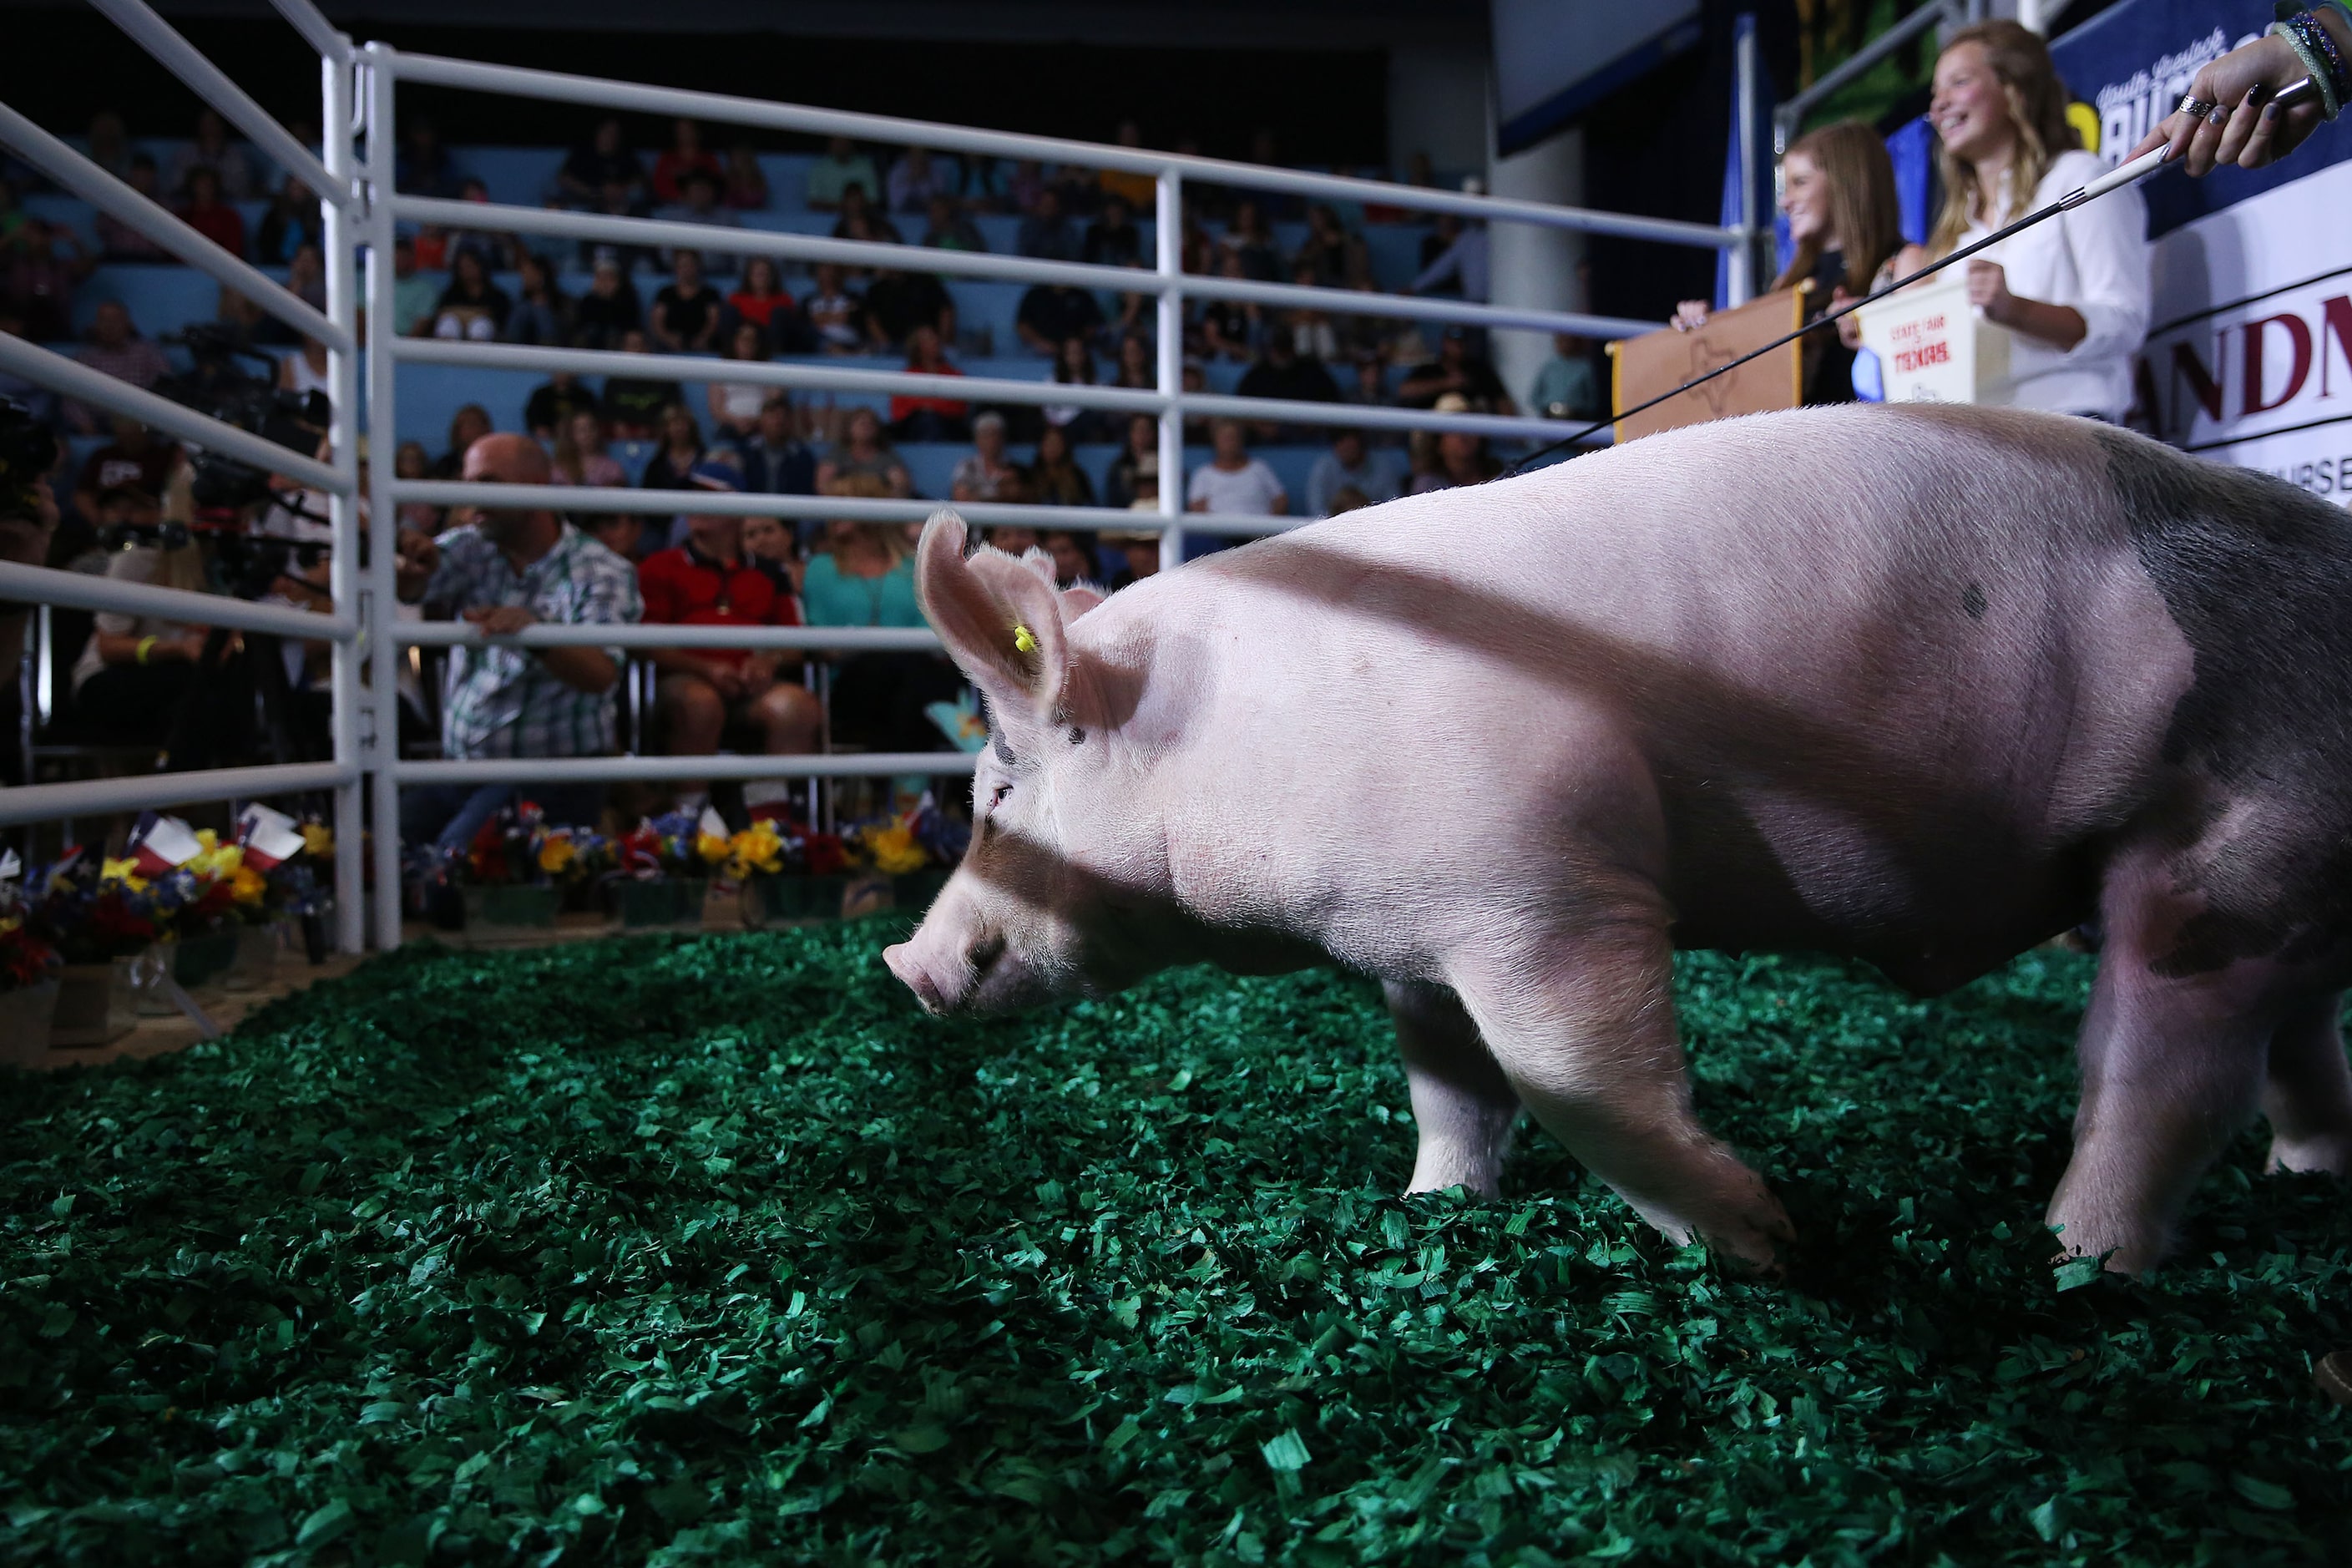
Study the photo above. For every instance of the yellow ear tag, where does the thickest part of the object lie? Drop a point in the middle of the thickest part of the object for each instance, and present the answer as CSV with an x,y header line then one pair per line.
x,y
1023,642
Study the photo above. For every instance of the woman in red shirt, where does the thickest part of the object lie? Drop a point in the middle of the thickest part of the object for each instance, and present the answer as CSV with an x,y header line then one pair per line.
x,y
761,297
211,216
684,156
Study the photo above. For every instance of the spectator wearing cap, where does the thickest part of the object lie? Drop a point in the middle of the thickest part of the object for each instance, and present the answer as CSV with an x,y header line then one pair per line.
x,y
116,349
1456,369
842,166
504,570
707,581
136,456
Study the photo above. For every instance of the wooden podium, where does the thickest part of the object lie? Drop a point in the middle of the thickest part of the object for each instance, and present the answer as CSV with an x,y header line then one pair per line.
x,y
1933,347
1640,368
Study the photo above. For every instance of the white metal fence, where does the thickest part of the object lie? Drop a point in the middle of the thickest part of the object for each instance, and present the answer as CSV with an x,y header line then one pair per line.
x,y
354,179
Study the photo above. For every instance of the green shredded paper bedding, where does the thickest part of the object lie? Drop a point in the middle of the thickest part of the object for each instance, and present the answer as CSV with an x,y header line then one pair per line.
x,y
713,1249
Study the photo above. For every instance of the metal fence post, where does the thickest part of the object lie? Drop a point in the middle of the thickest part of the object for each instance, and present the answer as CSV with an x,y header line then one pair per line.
x,y
1170,253
1746,98
379,603
343,510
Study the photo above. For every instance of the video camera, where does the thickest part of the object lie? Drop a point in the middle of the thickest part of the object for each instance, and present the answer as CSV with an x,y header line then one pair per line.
x,y
26,451
225,389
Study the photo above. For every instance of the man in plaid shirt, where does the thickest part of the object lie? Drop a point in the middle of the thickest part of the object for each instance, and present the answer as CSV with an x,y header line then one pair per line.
x,y
503,571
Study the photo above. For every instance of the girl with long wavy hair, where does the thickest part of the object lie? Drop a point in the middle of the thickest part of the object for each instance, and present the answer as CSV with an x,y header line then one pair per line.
x,y
2073,291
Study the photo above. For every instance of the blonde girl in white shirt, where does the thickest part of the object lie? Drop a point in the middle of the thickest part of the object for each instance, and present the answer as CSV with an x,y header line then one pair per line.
x,y
2074,291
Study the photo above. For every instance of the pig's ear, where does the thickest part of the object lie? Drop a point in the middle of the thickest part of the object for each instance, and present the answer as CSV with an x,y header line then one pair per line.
x,y
1078,598
1001,622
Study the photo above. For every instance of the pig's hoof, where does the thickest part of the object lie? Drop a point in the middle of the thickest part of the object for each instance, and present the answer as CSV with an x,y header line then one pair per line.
x,y
2329,1154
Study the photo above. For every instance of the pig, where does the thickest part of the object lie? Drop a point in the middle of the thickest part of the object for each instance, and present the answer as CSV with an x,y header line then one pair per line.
x,y
1922,685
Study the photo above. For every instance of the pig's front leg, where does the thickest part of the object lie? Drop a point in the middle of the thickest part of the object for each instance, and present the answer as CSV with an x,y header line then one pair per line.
x,y
1463,1106
1582,1025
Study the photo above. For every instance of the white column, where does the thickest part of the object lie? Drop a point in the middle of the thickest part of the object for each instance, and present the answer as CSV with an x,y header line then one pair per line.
x,y
378,597
1168,211
1535,267
343,510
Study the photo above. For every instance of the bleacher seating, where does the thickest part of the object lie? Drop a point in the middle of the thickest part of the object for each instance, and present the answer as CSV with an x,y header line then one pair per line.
x,y
164,299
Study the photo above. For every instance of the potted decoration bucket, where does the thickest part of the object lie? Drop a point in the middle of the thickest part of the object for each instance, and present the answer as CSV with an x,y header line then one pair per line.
x,y
255,961
26,1015
523,907
655,903
198,959
916,889
96,1005
769,899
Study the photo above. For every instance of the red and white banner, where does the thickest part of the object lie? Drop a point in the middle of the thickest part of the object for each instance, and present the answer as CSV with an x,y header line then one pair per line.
x,y
2249,358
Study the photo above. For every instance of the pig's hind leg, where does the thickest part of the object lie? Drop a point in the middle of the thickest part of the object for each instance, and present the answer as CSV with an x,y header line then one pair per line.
x,y
2307,1095
1463,1106
1582,1023
2175,1051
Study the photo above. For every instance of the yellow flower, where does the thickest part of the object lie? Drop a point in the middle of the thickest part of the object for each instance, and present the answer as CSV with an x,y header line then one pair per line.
x,y
318,840
711,848
893,849
759,847
554,855
207,838
247,885
216,860
123,872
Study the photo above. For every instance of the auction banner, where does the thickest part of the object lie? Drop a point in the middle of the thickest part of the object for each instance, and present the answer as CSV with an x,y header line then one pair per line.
x,y
2249,354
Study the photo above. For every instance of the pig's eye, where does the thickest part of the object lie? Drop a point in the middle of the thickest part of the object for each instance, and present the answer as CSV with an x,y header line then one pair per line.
x,y
997,799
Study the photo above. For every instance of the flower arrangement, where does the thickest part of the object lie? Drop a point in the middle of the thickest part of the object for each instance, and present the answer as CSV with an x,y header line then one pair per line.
x,y
518,847
26,958
675,844
173,881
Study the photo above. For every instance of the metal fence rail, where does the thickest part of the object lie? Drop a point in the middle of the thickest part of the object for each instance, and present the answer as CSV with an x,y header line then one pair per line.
x,y
359,93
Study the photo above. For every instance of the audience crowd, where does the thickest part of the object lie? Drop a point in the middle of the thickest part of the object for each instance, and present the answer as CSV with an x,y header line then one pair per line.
x,y
739,433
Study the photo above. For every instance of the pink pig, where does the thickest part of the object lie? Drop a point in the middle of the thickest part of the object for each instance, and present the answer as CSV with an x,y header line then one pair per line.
x,y
1927,686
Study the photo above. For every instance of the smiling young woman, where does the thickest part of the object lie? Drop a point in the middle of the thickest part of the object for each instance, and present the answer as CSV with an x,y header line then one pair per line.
x,y
2075,291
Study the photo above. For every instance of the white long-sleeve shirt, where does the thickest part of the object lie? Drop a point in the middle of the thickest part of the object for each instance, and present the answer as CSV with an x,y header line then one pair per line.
x,y
2095,261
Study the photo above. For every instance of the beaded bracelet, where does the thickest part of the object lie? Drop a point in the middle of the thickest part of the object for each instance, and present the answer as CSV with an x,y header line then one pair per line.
x,y
2320,58
2314,33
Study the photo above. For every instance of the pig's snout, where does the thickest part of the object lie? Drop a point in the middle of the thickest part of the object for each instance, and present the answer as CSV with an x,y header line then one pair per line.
x,y
940,981
909,969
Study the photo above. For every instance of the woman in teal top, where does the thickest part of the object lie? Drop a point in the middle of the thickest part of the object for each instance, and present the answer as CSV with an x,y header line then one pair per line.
x,y
865,577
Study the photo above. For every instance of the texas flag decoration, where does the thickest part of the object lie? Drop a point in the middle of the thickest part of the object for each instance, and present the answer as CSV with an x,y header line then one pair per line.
x,y
711,823
269,838
160,845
